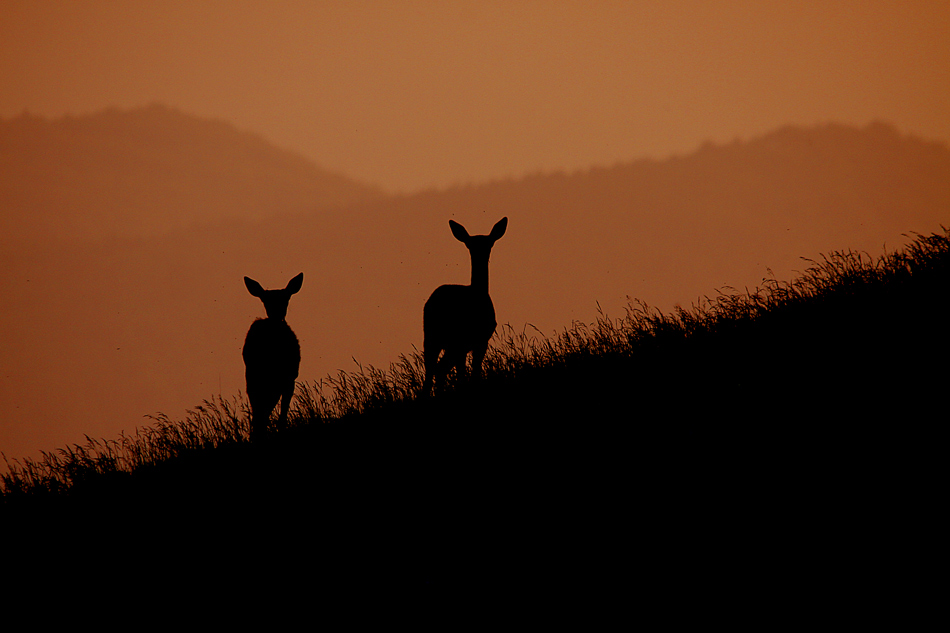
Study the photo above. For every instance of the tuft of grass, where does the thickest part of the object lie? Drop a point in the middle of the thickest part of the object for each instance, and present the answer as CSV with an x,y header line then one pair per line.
x,y
213,424
761,349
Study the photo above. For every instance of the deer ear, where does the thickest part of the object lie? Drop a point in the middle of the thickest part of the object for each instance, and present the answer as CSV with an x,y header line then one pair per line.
x,y
499,229
253,287
458,231
294,285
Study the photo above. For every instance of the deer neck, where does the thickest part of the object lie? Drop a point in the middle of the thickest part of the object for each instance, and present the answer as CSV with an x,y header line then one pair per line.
x,y
480,274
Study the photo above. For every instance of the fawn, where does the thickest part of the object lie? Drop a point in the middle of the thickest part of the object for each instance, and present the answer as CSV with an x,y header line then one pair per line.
x,y
271,356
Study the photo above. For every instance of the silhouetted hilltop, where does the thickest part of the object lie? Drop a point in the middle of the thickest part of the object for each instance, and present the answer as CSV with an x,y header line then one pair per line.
x,y
775,450
149,170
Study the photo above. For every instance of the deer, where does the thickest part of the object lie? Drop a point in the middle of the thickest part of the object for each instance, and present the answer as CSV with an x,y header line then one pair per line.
x,y
460,319
271,356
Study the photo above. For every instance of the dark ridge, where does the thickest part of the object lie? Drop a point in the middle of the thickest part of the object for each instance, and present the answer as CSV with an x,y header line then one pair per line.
x,y
772,451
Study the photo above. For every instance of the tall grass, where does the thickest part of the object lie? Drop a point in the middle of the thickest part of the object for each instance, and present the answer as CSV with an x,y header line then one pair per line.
x,y
207,426
918,273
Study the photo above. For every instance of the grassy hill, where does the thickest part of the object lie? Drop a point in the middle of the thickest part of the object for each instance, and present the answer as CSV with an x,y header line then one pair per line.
x,y
772,449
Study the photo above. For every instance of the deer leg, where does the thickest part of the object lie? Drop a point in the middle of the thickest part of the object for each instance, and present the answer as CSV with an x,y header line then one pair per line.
x,y
255,424
449,360
441,372
478,355
262,405
258,418
285,407
430,354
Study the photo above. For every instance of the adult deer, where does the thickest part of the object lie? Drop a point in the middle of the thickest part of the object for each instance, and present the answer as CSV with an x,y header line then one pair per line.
x,y
459,319
271,356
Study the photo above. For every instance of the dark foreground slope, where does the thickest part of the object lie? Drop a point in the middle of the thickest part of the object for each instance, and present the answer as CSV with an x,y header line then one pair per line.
x,y
774,452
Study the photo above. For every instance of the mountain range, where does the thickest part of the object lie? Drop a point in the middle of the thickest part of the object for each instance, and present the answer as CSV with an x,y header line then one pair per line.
x,y
127,298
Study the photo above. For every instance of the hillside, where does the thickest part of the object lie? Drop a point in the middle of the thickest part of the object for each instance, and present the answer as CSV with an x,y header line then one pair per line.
x,y
765,452
162,319
146,172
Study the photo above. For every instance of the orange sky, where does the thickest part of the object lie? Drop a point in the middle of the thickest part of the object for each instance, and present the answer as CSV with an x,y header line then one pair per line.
x,y
410,95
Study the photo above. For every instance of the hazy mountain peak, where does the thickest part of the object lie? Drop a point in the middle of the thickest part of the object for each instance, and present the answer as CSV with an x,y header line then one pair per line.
x,y
150,170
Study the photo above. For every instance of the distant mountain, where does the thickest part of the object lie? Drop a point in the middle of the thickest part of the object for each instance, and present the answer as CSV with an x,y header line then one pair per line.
x,y
98,334
148,171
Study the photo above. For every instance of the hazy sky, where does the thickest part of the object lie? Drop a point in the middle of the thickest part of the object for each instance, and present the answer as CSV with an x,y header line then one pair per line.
x,y
416,94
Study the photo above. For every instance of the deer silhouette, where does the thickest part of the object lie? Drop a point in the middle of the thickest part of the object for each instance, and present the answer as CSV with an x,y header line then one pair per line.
x,y
459,319
271,356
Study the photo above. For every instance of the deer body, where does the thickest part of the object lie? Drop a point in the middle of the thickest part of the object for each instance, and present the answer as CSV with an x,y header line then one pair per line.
x,y
271,356
461,319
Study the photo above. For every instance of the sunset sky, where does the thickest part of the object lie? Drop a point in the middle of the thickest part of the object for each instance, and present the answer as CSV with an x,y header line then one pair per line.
x,y
411,95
